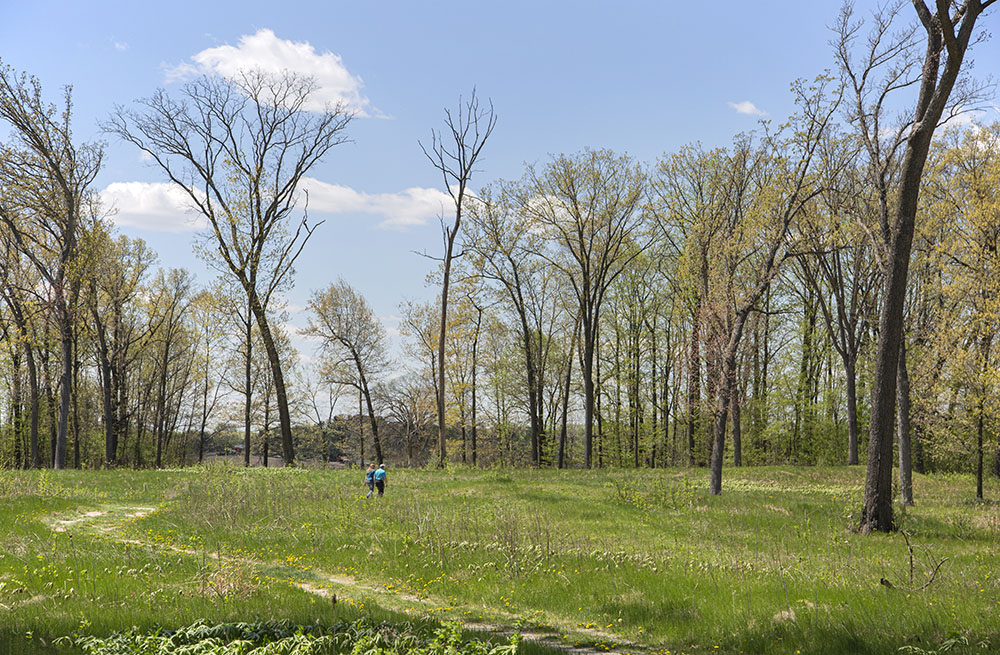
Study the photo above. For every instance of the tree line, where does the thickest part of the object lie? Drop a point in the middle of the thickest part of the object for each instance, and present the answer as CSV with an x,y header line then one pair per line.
x,y
736,303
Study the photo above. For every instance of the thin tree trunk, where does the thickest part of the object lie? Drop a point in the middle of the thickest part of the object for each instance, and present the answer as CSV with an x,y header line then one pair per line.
x,y
694,382
278,377
721,418
475,364
267,427
979,446
985,344
734,411
33,407
76,404
850,367
247,406
903,427
565,404
17,406
442,435
65,388
589,338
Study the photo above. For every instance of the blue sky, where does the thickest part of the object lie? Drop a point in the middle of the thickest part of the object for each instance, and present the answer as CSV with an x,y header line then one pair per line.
x,y
639,77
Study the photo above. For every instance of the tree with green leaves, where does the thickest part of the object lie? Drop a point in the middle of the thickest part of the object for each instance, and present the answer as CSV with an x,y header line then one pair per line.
x,y
353,339
45,196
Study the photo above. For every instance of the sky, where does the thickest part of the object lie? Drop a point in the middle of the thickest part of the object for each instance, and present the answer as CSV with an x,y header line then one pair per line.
x,y
638,77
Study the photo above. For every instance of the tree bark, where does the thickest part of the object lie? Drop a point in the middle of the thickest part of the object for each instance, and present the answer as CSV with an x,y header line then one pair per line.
x,y
719,427
284,418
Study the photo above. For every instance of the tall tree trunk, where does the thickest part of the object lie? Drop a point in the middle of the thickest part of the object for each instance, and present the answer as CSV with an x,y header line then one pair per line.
x,y
654,400
985,344
903,427
446,280
373,421
721,418
248,398
694,381
979,445
17,406
996,459
361,423
267,427
278,377
565,400
33,407
935,89
76,403
161,403
734,411
589,338
107,402
204,421
600,414
65,387
850,368
802,428
475,365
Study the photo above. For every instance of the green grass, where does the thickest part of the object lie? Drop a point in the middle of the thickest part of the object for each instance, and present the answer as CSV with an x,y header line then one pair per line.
x,y
629,560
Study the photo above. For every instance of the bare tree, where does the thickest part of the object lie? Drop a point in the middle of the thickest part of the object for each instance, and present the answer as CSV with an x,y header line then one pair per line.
x,y
949,31
454,155
239,149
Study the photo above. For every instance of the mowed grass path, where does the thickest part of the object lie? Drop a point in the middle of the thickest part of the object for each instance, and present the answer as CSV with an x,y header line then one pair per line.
x,y
617,557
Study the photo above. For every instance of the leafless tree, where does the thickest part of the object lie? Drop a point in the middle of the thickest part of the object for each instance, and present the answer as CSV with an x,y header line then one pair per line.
x,y
454,155
239,149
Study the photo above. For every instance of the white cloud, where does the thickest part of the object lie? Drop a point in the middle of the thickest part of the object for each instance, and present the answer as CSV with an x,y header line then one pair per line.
x,y
267,52
747,107
164,207
121,46
408,208
156,206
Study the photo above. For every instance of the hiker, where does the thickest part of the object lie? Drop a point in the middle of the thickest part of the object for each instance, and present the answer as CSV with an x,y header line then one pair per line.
x,y
380,479
370,480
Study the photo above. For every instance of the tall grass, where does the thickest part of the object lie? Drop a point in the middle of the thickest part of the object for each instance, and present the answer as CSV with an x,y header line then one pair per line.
x,y
773,565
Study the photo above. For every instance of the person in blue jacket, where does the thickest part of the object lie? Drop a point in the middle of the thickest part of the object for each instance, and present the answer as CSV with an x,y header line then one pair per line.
x,y
380,479
370,480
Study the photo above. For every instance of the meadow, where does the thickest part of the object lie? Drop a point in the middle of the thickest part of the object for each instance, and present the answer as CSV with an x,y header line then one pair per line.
x,y
610,560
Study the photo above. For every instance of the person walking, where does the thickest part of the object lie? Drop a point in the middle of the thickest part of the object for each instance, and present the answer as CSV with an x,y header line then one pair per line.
x,y
370,480
380,479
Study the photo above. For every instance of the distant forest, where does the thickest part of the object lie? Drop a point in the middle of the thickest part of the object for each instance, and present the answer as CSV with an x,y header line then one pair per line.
x,y
597,311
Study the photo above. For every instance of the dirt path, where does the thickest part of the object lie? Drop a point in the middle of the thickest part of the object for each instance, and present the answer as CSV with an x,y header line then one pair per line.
x,y
109,518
